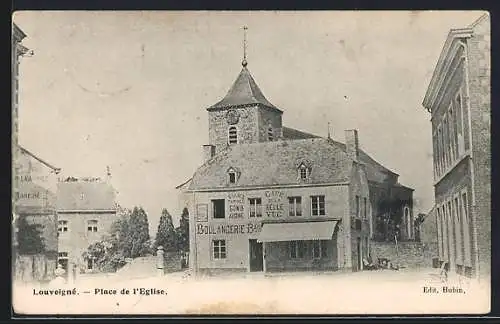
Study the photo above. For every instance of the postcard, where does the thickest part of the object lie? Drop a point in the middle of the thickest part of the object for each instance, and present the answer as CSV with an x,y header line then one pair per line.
x,y
260,162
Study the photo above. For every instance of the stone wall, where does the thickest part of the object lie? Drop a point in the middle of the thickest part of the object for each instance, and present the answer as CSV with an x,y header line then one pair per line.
x,y
412,255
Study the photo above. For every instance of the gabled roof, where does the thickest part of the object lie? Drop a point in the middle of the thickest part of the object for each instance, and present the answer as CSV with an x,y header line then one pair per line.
x,y
18,34
85,196
243,92
50,166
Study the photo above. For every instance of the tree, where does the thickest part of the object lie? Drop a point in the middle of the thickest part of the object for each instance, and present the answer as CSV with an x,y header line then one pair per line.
x,y
166,235
183,231
137,240
388,221
29,237
127,238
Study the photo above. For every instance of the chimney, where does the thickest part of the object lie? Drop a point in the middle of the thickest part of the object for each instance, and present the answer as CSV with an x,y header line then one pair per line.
x,y
352,144
208,152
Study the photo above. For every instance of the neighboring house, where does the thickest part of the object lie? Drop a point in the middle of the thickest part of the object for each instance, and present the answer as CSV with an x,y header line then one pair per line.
x,y
86,211
272,198
458,98
34,199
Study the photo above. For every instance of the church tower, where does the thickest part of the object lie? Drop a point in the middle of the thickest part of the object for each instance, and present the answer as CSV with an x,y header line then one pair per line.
x,y
243,116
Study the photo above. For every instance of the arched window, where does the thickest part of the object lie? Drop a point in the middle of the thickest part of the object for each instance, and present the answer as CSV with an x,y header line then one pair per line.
x,y
232,176
232,135
303,172
270,134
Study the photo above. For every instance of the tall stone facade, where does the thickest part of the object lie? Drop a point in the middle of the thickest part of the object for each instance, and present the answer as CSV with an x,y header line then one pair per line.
x,y
458,98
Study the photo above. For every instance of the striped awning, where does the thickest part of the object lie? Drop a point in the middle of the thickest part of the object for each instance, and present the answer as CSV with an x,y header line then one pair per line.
x,y
279,232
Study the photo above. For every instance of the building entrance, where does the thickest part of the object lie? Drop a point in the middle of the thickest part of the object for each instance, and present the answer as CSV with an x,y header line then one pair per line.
x,y
256,262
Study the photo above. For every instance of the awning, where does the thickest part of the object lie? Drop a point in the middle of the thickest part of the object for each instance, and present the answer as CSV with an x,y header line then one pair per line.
x,y
278,232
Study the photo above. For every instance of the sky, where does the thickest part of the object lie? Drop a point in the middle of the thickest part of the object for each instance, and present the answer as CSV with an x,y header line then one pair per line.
x,y
129,90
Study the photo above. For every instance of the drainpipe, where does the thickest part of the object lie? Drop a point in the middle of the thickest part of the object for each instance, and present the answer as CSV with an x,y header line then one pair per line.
x,y
471,164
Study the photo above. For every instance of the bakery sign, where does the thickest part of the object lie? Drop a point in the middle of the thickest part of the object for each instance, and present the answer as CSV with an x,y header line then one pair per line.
x,y
236,229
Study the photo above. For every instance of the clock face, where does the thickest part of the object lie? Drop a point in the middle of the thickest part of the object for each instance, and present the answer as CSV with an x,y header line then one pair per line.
x,y
232,117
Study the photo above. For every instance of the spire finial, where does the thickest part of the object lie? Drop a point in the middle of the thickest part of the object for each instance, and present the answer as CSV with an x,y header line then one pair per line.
x,y
329,130
244,62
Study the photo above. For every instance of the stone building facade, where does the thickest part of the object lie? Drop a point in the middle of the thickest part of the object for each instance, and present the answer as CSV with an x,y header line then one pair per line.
x,y
86,210
458,98
272,198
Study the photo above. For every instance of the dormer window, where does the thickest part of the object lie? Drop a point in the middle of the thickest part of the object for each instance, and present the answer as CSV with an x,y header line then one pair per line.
x,y
232,135
303,172
270,134
232,175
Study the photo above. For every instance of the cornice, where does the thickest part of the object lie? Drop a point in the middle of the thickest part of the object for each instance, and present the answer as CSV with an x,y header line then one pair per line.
x,y
443,65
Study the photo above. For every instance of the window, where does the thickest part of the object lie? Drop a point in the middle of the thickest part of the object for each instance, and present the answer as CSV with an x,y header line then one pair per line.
x,y
62,226
357,206
458,234
270,134
255,207
318,205
62,255
451,123
365,208
232,177
450,230
319,249
446,142
446,237
303,172
219,249
435,155
92,226
232,135
82,196
295,206
296,249
218,208
459,121
440,150
466,230
440,234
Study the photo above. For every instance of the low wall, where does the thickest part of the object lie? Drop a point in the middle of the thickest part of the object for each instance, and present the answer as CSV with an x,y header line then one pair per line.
x,y
407,254
37,267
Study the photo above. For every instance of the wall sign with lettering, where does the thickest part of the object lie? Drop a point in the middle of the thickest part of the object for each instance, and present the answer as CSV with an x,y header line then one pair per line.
x,y
236,203
214,229
274,203
202,213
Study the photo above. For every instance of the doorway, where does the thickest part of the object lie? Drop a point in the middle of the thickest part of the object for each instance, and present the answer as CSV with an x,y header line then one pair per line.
x,y
255,256
360,254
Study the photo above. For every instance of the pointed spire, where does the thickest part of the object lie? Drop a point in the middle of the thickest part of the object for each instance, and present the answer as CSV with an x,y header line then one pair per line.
x,y
244,62
329,137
